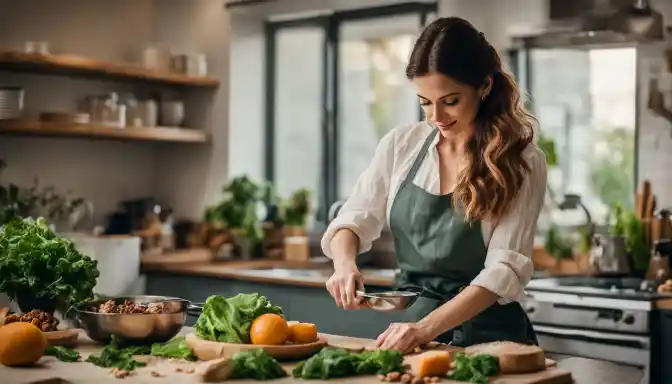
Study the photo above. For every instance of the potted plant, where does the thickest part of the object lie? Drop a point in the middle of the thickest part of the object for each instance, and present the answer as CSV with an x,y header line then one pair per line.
x,y
561,249
62,212
629,231
295,216
41,270
296,212
237,214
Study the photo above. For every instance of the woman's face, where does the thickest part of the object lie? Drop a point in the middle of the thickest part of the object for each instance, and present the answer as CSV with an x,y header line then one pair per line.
x,y
451,105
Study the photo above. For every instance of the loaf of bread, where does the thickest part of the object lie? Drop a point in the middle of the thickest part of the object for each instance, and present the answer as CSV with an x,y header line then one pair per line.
x,y
513,357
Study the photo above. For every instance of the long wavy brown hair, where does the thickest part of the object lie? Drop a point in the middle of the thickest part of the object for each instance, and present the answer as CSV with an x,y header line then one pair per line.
x,y
495,167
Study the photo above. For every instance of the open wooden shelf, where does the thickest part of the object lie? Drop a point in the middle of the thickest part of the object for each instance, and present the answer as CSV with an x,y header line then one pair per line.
x,y
96,131
72,65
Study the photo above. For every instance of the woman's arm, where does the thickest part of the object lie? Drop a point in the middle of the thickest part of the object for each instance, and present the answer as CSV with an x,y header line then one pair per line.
x,y
362,217
359,222
344,246
508,264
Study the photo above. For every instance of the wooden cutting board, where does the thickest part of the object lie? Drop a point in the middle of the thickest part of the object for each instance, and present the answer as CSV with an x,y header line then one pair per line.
x,y
210,350
552,374
49,368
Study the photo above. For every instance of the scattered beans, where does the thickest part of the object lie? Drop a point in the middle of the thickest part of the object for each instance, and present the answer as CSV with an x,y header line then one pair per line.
x,y
119,373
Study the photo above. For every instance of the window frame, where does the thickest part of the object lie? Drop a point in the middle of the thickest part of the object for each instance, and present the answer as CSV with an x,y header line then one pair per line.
x,y
330,23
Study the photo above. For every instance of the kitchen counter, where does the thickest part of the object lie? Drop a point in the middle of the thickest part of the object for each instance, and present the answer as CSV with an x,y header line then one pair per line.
x,y
584,371
307,274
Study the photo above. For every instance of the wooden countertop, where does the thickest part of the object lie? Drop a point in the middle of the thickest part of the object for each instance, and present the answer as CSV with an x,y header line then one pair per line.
x,y
584,371
199,262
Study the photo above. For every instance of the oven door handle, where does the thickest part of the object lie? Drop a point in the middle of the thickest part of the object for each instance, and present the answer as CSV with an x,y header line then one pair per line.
x,y
644,342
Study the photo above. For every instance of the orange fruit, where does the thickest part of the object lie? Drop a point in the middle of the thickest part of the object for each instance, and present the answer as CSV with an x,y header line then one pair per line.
x,y
269,329
21,344
302,332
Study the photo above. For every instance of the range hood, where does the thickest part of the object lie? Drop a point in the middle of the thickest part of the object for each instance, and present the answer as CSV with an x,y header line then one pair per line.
x,y
615,22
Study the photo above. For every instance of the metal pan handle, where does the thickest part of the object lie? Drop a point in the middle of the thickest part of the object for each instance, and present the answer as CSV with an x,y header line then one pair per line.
x,y
195,309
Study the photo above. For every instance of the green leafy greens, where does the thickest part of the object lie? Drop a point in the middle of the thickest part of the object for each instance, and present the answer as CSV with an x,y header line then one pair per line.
x,y
229,320
176,348
332,363
256,364
475,369
35,260
114,356
63,354
117,355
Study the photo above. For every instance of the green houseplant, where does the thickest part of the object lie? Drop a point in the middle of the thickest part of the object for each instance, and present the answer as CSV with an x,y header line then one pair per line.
x,y
58,208
41,270
627,225
237,213
297,209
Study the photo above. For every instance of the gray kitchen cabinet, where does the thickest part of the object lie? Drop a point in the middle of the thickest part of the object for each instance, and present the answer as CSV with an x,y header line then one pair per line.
x,y
661,349
307,304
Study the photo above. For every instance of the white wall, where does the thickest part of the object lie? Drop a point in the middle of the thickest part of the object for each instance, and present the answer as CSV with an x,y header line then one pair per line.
x,y
496,18
106,172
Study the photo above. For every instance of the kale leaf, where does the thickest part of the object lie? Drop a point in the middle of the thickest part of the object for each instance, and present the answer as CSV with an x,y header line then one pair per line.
x,y
256,364
332,363
176,348
62,353
114,357
474,369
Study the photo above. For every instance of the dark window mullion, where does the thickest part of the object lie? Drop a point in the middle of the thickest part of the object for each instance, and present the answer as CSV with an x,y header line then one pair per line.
x,y
333,55
269,101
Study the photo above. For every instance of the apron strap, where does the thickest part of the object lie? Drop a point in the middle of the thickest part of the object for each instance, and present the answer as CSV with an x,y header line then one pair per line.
x,y
420,157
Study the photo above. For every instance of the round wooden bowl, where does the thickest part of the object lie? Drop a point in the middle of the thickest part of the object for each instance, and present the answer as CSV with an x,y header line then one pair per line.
x,y
210,350
64,337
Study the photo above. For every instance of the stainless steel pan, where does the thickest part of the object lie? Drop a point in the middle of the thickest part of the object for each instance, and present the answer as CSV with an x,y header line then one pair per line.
x,y
136,328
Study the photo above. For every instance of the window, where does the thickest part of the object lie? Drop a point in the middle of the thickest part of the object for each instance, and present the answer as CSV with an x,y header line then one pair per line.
x,y
374,94
298,110
335,85
585,101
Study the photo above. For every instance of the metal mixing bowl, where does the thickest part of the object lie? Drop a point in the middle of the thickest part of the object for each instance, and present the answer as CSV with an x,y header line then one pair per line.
x,y
390,300
136,328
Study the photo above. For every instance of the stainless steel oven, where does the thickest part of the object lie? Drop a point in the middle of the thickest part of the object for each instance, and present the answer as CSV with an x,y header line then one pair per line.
x,y
601,328
624,349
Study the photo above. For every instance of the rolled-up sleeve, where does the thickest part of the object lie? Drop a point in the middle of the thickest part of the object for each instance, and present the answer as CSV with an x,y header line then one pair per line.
x,y
508,264
364,212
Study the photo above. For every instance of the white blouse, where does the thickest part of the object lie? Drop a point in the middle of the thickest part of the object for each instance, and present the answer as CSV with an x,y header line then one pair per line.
x,y
508,264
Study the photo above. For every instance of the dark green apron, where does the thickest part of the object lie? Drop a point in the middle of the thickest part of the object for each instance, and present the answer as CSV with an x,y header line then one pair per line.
x,y
439,253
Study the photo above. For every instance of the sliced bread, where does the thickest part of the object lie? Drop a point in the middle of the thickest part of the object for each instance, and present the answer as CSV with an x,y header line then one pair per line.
x,y
513,357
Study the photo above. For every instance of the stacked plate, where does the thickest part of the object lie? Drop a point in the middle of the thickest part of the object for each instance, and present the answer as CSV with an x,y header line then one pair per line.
x,y
11,102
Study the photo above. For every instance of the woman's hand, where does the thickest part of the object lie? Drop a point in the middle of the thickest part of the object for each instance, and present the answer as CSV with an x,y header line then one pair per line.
x,y
404,337
343,283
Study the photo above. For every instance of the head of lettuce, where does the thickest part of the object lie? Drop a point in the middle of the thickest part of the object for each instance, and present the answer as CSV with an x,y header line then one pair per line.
x,y
228,320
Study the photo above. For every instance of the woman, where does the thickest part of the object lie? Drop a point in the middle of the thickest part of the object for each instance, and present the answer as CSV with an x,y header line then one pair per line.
x,y
461,192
